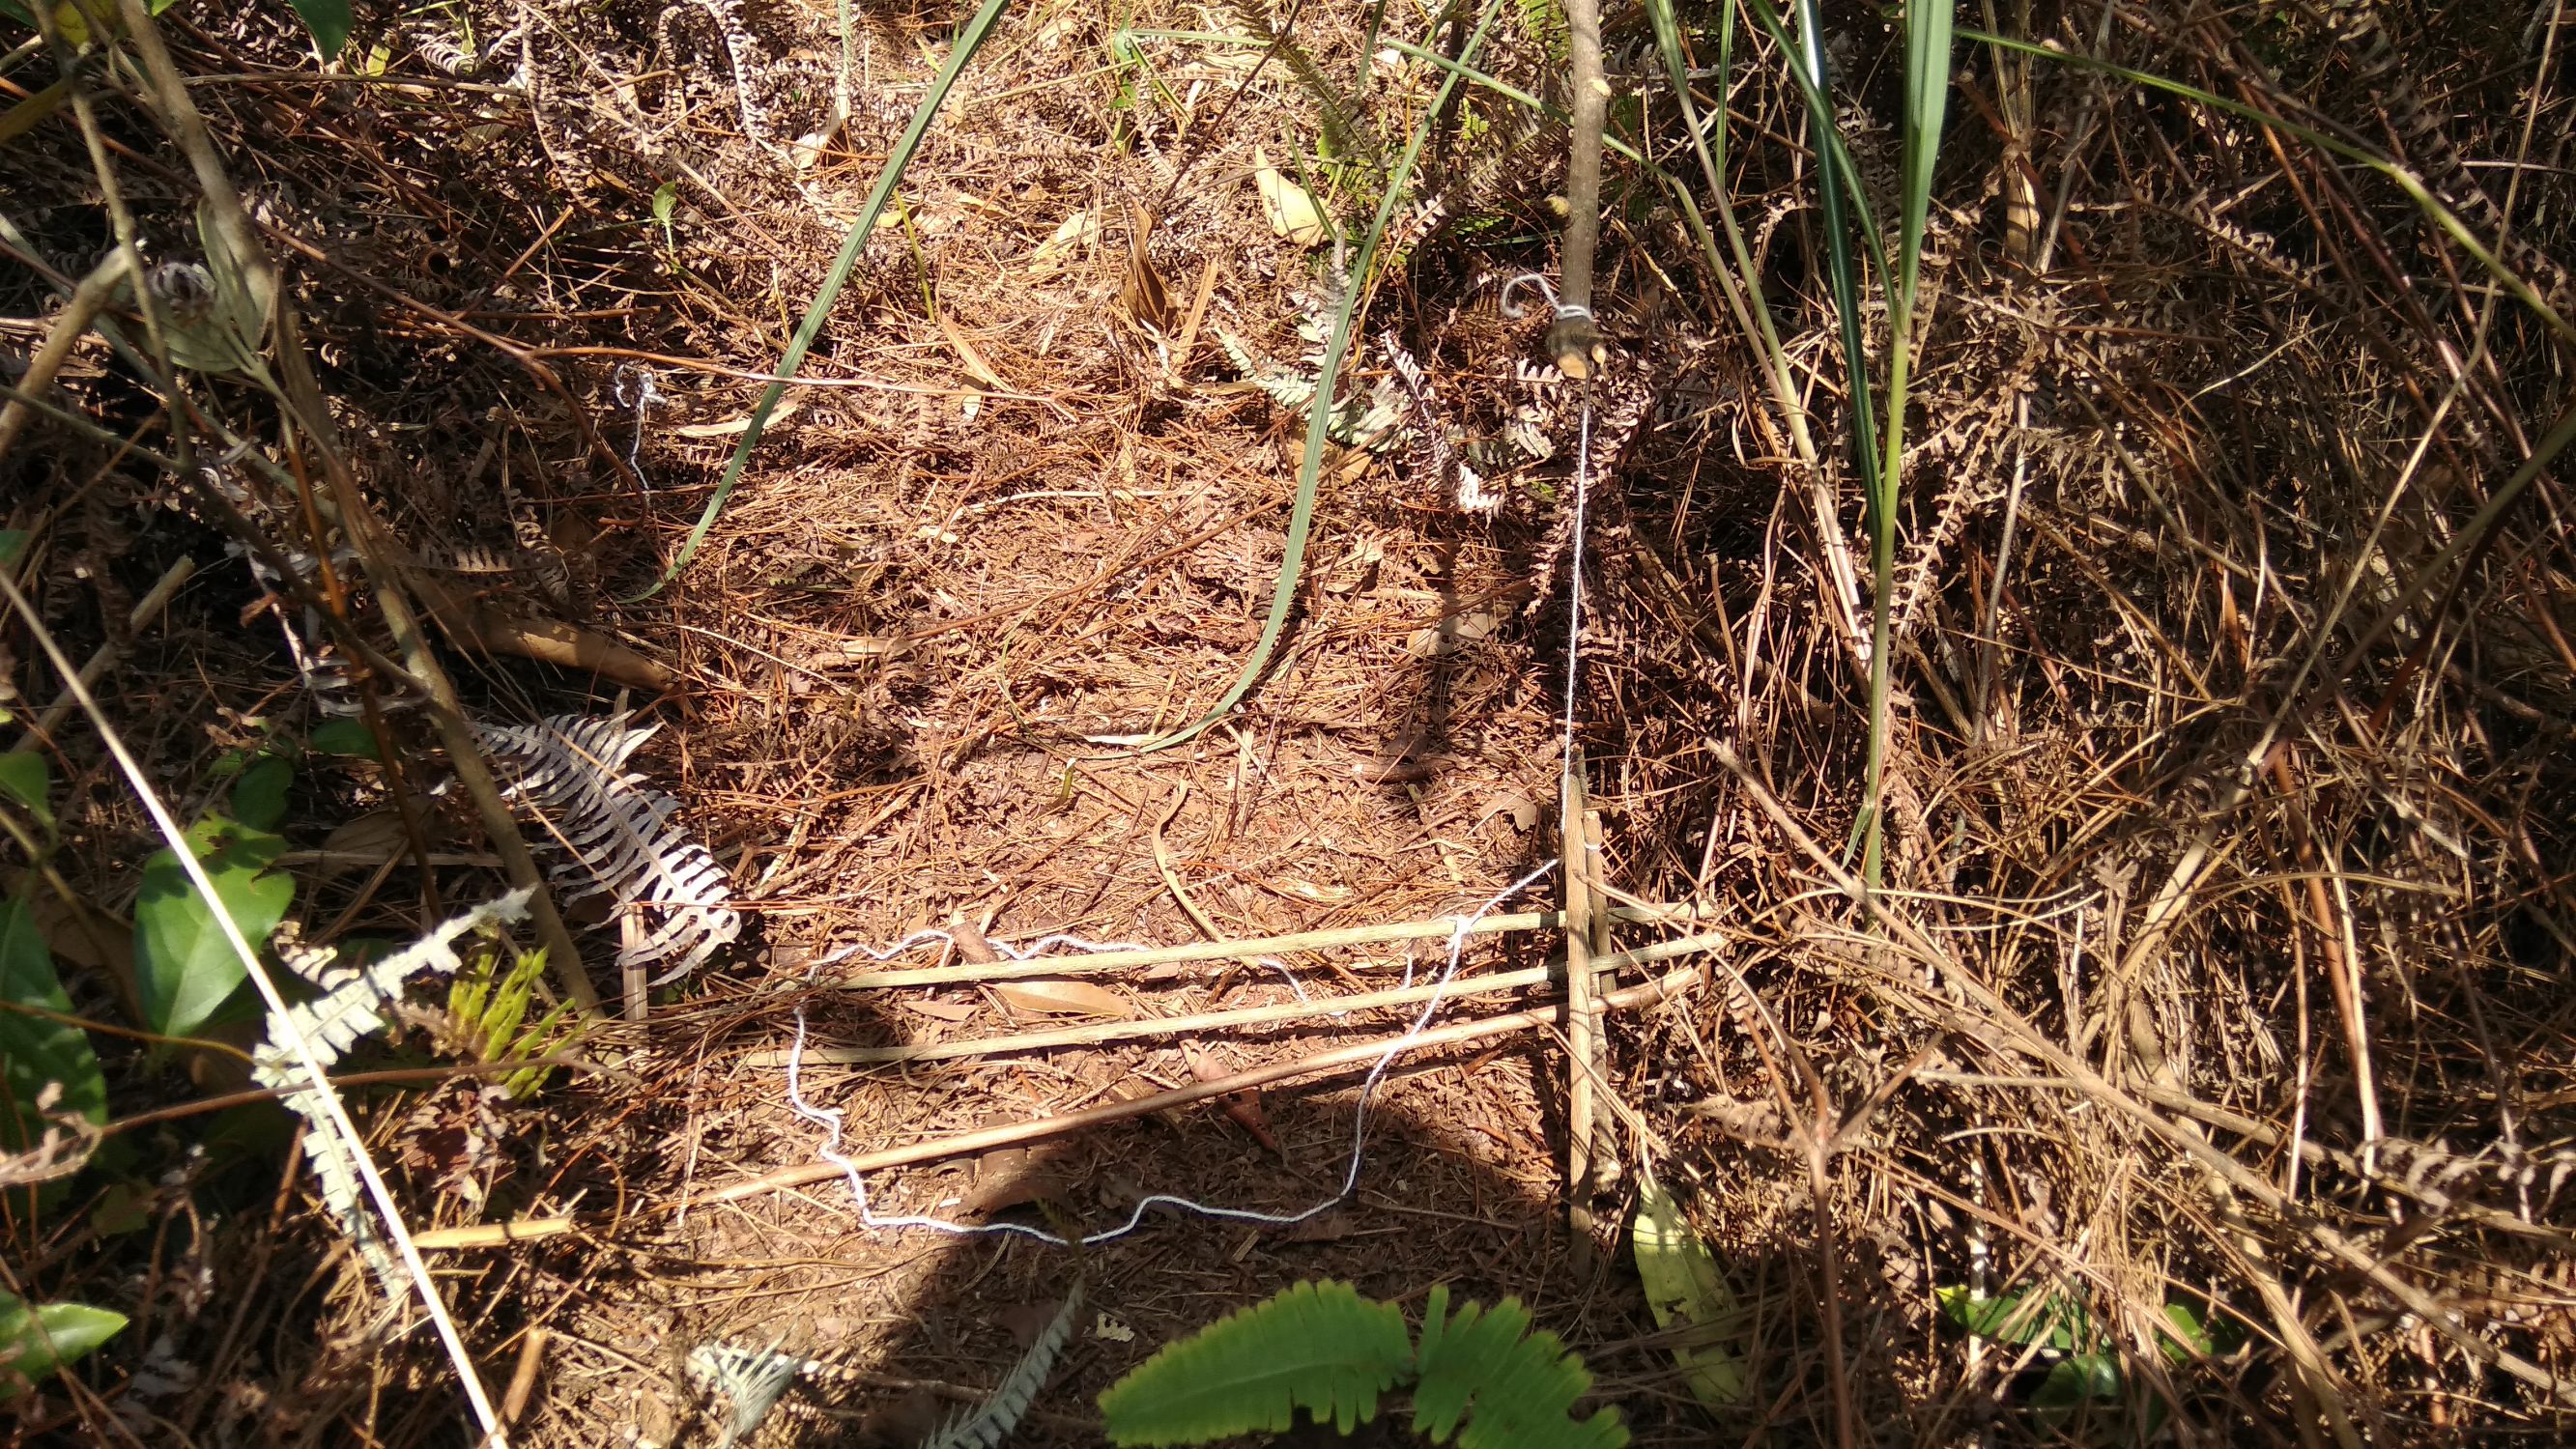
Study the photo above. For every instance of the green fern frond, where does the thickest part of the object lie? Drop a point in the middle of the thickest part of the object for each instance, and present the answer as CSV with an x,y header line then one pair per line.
x,y
1317,1346
1520,1384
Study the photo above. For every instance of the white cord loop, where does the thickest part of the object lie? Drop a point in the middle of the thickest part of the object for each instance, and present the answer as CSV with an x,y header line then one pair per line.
x,y
632,387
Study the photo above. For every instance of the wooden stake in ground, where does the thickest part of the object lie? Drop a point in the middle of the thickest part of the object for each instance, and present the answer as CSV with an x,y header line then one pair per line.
x,y
1574,339
1582,1009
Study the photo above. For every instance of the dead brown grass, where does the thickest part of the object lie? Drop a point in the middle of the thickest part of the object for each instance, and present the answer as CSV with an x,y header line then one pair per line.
x,y
2223,958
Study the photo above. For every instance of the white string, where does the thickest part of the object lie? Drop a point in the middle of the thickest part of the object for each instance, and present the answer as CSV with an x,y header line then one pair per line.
x,y
1535,280
638,381
831,1119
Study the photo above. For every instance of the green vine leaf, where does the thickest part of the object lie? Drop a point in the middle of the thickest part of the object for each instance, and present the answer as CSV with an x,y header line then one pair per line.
x,y
36,1342
37,1053
259,796
2051,1320
347,737
330,22
184,968
25,778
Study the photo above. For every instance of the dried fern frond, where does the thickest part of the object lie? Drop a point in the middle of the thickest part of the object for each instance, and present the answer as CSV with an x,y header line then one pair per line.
x,y
354,1003
1372,422
989,1423
751,1380
569,771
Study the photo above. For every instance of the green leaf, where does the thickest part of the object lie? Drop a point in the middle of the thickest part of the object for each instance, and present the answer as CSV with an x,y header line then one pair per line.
x,y
183,966
125,1207
13,541
2188,1338
2074,1383
1317,1346
35,1052
1520,1384
666,198
2054,1321
259,796
2188,1335
25,779
1684,1287
330,22
34,1344
344,737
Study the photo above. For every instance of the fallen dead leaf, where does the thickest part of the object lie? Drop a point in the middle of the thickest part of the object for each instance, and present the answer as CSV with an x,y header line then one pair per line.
x,y
976,366
378,834
1520,809
1290,207
1143,295
1050,996
1071,235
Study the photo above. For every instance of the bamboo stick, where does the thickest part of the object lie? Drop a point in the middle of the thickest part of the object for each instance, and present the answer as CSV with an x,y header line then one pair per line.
x,y
1580,1020
1104,961
1097,1033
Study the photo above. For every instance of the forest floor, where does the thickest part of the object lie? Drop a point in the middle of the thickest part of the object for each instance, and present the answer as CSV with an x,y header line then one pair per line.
x,y
2214,1013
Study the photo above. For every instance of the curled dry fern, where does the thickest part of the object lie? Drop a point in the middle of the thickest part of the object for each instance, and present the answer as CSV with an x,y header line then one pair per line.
x,y
570,772
1481,1377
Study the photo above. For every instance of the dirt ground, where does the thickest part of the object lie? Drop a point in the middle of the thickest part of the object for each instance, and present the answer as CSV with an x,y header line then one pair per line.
x,y
2220,974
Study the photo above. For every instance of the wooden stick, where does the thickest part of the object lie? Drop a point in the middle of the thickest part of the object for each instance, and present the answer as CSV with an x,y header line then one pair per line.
x,y
87,300
1211,1021
494,1235
1245,950
1574,340
1579,1010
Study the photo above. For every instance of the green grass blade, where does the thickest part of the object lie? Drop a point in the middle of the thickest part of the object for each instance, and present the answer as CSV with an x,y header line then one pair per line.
x,y
1927,99
1743,285
1927,95
1836,178
1310,469
968,39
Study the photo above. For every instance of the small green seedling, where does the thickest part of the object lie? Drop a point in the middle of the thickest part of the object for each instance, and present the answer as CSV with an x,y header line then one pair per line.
x,y
666,200
2085,1385
487,1011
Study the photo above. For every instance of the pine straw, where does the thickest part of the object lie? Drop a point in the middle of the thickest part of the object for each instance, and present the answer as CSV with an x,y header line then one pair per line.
x,y
915,627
